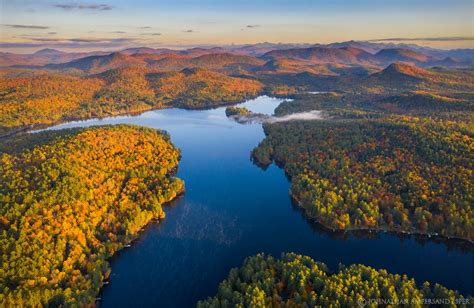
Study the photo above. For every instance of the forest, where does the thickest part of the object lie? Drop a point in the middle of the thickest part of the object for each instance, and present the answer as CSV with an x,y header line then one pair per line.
x,y
51,98
298,281
121,83
198,88
450,106
394,151
362,168
69,200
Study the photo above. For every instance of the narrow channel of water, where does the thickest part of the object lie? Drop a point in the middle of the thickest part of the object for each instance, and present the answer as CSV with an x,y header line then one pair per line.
x,y
233,209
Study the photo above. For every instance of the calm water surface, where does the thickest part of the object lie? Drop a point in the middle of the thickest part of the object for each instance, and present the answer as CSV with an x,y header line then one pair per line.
x,y
233,209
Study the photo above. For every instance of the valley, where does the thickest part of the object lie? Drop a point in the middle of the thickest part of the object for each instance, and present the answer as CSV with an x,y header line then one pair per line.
x,y
358,153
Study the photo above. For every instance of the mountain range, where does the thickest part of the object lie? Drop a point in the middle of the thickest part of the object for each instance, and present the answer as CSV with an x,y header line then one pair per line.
x,y
346,53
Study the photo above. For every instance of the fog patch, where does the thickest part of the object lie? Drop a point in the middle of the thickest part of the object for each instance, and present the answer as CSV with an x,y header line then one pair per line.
x,y
300,116
317,92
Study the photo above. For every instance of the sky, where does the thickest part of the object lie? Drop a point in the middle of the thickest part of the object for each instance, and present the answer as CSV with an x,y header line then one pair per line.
x,y
30,25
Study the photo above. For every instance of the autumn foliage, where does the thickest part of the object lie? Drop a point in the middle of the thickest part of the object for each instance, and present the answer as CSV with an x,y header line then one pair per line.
x,y
197,88
299,281
398,173
69,204
51,98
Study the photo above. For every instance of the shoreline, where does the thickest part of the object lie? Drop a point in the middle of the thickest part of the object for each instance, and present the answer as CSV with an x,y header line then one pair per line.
x,y
128,244
379,229
298,204
43,126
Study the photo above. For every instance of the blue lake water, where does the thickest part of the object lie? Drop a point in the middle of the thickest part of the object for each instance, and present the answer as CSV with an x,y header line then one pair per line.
x,y
233,209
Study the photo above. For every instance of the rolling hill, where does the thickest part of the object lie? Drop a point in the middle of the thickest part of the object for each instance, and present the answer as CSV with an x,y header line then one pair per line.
x,y
168,61
334,52
359,56
43,57
403,72
345,55
52,98
220,61
98,64
401,55
198,88
399,77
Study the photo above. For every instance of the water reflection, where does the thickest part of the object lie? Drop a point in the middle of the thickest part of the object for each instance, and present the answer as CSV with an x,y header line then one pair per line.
x,y
232,209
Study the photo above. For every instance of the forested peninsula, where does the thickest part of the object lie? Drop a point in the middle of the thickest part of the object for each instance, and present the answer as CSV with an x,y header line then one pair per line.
x,y
52,98
365,166
69,200
299,281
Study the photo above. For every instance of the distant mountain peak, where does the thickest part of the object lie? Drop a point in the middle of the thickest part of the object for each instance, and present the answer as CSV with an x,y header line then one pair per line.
x,y
406,69
48,52
401,54
117,54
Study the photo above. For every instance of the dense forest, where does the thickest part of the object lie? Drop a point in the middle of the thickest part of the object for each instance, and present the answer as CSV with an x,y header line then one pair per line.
x,y
119,83
49,98
69,200
376,171
393,80
198,88
452,106
299,281
42,99
395,151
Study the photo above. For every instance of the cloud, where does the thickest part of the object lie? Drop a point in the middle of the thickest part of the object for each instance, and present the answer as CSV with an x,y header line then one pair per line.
x,y
19,45
82,6
41,42
145,27
153,34
189,31
25,26
253,26
52,32
118,32
80,40
431,39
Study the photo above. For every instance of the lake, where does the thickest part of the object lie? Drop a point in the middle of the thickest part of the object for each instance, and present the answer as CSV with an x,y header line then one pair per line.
x,y
233,209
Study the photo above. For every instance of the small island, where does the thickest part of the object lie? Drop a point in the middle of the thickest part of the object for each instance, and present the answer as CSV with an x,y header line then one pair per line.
x,y
243,115
233,111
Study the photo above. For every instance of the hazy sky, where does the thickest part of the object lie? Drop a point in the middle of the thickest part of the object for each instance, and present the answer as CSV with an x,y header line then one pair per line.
x,y
28,25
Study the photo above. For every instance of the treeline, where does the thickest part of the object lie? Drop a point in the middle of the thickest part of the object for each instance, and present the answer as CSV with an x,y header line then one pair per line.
x,y
46,98
396,173
337,105
70,202
394,80
299,281
49,98
43,99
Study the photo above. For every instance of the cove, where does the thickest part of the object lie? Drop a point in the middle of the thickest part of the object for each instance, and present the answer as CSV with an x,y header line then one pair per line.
x,y
233,209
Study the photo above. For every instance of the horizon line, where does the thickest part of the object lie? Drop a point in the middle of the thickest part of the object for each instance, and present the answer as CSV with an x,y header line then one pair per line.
x,y
32,48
